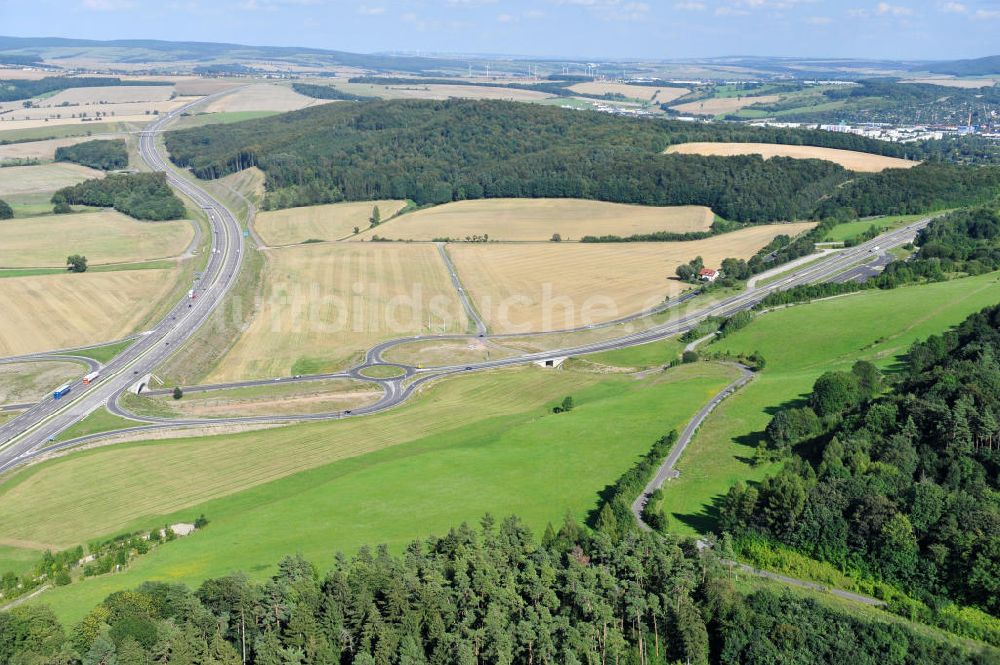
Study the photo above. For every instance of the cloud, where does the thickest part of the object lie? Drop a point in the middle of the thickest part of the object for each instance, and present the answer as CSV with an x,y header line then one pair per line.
x,y
691,6
987,13
819,20
612,10
365,10
107,5
885,9
954,8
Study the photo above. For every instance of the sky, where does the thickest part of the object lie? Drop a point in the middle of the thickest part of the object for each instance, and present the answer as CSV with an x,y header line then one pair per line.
x,y
621,29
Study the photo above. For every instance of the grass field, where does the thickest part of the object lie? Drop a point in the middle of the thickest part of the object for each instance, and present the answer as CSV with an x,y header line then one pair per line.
x,y
100,420
489,443
279,398
261,97
103,237
11,132
441,353
538,219
223,118
44,178
641,92
31,381
553,286
849,159
59,311
722,105
324,304
325,222
874,325
842,232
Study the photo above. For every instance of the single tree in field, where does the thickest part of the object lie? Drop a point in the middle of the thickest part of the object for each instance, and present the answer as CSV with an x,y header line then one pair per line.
x,y
376,217
556,237
5,210
178,393
567,403
357,230
76,263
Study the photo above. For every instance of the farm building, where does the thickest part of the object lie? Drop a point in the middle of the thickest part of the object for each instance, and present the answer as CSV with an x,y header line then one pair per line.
x,y
708,275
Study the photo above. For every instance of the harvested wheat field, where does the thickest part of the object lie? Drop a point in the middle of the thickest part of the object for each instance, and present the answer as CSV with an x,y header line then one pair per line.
x,y
549,286
44,178
103,237
539,219
58,311
722,105
849,159
326,222
276,399
647,93
325,304
114,94
43,150
47,113
262,97
957,83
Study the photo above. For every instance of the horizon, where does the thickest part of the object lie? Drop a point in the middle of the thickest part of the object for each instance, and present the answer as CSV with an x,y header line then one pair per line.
x,y
916,31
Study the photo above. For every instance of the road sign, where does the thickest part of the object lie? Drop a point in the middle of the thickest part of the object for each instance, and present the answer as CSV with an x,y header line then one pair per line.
x,y
246,234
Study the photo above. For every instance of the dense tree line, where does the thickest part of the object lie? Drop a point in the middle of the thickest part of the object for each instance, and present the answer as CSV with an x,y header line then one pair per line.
x,y
15,89
436,152
902,486
492,595
328,92
140,195
99,154
922,188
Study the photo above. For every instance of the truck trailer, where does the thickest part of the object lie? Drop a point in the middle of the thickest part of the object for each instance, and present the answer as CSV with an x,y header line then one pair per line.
x,y
90,378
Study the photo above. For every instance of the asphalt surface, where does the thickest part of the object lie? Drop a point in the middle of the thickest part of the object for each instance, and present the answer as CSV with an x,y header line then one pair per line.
x,y
470,309
26,436
23,435
667,470
867,270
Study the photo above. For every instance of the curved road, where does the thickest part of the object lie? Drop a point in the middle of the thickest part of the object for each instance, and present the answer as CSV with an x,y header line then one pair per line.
x,y
24,437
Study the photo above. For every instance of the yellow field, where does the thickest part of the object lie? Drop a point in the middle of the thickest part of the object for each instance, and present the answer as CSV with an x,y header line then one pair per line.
x,y
48,113
325,304
45,150
12,124
159,478
262,97
276,399
327,222
646,93
117,94
722,105
549,286
44,178
28,382
849,159
439,91
538,219
58,311
103,237
956,83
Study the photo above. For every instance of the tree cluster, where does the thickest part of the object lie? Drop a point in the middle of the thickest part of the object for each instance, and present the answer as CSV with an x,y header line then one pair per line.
x,y
901,487
6,212
492,595
328,92
140,195
104,155
436,152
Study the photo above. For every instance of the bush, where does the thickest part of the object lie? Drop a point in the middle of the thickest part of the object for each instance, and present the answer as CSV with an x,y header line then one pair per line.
x,y
178,393
6,212
689,357
76,263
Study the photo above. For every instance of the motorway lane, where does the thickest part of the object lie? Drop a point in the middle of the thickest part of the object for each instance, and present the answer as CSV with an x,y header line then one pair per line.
x,y
51,417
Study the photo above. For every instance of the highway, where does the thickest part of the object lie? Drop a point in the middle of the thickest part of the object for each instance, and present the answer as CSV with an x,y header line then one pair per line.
x,y
32,433
47,419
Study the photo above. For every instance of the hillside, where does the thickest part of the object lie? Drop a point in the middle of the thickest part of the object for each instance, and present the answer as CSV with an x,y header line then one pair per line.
x,y
974,67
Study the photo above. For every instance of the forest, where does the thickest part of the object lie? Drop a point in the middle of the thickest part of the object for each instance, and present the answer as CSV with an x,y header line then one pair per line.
x,y
435,152
100,154
327,92
489,595
14,89
140,195
897,480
